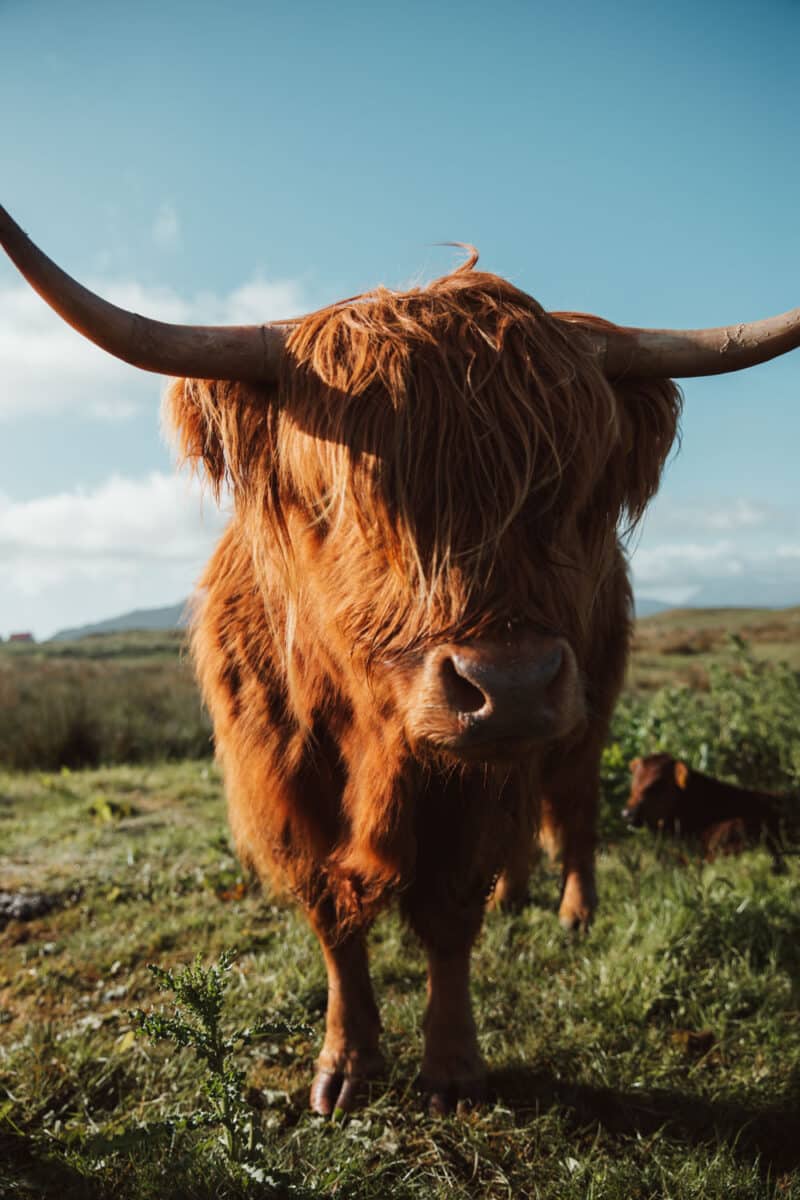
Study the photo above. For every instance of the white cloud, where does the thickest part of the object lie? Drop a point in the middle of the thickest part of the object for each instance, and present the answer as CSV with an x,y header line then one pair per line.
x,y
160,527
48,368
739,514
715,516
715,550
727,571
685,563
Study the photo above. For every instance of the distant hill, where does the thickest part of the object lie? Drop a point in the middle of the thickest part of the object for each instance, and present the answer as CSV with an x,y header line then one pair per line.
x,y
647,607
173,616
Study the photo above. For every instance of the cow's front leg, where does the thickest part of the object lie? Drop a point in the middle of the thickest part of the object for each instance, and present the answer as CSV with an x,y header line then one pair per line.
x,y
350,1055
453,1072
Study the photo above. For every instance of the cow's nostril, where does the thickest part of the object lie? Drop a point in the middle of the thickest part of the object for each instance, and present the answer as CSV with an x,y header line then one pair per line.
x,y
462,696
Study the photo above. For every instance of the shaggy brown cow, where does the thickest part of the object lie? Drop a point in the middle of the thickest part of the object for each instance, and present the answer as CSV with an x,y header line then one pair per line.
x,y
416,624
667,795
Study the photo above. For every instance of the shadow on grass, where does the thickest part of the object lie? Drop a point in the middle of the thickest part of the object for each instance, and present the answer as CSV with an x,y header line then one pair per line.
x,y
28,1170
768,1133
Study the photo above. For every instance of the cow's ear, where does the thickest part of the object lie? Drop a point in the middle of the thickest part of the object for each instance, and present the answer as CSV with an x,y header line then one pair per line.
x,y
681,774
634,764
648,419
190,414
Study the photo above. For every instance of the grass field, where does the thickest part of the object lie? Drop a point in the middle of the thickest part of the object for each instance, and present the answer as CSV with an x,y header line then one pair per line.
x,y
659,1057
681,645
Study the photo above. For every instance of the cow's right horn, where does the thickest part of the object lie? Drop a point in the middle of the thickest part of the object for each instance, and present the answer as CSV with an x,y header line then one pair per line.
x,y
251,352
683,353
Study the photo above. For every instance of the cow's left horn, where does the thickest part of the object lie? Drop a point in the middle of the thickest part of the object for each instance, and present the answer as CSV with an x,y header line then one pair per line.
x,y
682,353
250,352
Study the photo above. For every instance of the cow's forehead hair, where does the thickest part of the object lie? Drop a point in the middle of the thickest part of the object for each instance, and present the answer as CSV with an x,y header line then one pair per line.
x,y
450,425
465,381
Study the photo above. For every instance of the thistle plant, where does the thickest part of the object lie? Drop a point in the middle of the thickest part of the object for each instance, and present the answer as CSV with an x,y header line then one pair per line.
x,y
196,1023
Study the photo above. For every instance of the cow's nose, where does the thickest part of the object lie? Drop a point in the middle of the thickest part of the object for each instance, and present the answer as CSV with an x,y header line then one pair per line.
x,y
501,699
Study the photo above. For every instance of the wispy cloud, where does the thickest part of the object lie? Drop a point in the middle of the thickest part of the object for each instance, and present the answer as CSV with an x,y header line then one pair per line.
x,y
121,528
685,563
725,571
711,515
48,368
734,550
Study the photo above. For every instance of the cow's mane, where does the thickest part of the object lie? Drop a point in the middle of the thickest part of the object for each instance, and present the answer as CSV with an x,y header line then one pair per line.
x,y
445,422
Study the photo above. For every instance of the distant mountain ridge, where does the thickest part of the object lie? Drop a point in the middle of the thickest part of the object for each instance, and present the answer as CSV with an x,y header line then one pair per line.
x,y
647,607
172,616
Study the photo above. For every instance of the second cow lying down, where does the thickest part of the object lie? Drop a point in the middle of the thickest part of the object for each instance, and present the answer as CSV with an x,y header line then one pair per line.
x,y
667,795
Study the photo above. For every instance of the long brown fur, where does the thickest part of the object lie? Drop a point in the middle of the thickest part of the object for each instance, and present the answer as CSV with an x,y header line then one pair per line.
x,y
434,465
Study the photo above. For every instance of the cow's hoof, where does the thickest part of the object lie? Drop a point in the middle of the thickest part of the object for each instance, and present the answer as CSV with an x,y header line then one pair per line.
x,y
456,1096
578,904
510,895
509,902
574,922
334,1092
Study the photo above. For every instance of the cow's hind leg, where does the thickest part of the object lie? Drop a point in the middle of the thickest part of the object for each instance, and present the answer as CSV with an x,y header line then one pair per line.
x,y
569,830
511,892
350,1055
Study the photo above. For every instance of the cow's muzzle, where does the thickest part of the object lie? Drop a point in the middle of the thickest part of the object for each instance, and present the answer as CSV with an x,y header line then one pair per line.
x,y
487,699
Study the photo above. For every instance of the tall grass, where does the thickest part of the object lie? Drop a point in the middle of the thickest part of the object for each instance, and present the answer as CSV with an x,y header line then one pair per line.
x,y
82,712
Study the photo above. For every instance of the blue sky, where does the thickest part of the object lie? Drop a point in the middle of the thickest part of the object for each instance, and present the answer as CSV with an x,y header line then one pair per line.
x,y
637,161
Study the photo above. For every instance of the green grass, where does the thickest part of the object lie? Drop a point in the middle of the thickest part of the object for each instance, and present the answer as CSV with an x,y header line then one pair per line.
x,y
660,1057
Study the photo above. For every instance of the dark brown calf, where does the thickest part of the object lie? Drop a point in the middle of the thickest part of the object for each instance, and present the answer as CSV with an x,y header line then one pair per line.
x,y
667,795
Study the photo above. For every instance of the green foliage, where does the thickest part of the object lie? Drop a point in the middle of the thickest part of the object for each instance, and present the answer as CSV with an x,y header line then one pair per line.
x,y
196,1024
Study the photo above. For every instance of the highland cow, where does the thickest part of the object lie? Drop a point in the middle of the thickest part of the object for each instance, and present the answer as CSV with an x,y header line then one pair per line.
x,y
413,632
669,797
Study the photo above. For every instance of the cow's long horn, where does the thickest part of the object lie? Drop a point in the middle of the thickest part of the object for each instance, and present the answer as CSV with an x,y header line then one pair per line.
x,y
250,352
682,353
